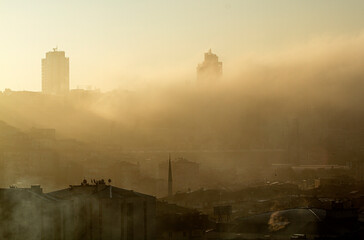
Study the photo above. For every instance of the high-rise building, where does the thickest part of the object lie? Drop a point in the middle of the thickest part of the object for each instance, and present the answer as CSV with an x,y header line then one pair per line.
x,y
55,73
211,69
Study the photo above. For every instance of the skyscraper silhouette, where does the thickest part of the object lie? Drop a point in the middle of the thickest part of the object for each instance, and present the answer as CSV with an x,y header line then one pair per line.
x,y
55,73
210,70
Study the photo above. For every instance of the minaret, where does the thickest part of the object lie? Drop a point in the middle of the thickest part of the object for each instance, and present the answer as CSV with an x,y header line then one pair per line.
x,y
170,193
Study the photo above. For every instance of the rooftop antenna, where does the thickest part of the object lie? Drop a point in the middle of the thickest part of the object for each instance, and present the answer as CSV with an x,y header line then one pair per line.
x,y
55,49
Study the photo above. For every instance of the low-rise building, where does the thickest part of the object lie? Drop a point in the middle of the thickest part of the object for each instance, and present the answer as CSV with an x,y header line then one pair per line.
x,y
91,211
106,212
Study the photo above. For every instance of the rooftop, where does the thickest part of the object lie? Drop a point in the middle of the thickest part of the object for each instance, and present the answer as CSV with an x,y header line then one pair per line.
x,y
96,189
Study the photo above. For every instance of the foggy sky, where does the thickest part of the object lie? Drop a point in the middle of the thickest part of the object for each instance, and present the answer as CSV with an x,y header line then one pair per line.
x,y
253,104
127,44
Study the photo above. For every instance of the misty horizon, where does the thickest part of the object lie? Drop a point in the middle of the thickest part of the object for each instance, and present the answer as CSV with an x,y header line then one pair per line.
x,y
190,120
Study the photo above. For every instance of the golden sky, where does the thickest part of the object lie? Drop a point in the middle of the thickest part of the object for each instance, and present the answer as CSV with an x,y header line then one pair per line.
x,y
118,43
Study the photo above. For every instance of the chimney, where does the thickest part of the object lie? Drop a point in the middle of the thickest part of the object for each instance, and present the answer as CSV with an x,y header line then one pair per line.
x,y
100,185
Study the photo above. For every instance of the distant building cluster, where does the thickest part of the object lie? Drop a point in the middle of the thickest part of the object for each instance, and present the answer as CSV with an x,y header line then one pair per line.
x,y
211,69
55,73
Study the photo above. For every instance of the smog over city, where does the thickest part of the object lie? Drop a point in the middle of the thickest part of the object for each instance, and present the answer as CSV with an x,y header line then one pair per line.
x,y
179,120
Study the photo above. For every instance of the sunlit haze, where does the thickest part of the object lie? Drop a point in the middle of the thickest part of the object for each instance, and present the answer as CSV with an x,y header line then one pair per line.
x,y
181,120
120,44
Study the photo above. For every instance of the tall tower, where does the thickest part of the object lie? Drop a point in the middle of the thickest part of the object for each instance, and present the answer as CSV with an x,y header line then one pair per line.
x,y
55,73
170,181
210,70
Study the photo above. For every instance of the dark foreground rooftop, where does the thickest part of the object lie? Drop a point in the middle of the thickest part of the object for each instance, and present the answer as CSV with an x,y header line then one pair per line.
x,y
311,222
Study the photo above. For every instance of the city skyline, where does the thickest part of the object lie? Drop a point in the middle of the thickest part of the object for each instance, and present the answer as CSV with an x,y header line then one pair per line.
x,y
181,120
115,45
